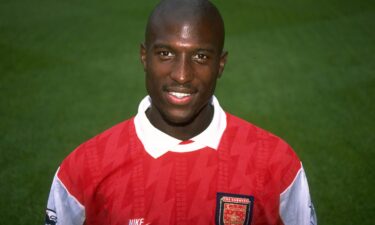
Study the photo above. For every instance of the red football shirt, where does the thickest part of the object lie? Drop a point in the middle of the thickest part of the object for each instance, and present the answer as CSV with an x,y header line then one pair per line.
x,y
249,177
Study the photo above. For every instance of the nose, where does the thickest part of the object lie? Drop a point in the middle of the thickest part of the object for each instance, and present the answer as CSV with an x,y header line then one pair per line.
x,y
182,71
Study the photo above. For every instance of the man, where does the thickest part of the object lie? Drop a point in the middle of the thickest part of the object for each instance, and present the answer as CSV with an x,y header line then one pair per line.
x,y
182,159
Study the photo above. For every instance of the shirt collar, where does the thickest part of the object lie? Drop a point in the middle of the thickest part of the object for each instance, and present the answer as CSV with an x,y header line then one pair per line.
x,y
157,143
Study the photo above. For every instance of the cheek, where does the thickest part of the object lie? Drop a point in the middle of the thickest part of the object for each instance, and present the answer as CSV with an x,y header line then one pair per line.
x,y
207,77
155,79
156,68
208,82
154,73
151,84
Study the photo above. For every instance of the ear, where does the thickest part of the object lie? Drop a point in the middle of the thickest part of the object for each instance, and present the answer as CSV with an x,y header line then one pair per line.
x,y
223,61
143,54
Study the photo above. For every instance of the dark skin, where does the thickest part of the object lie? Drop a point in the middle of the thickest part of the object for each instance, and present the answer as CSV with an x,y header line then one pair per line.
x,y
183,59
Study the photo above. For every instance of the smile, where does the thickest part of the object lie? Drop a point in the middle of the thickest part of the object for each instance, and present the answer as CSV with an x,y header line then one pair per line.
x,y
179,94
179,98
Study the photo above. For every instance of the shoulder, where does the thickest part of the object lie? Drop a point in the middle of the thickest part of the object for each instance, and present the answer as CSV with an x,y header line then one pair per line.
x,y
107,140
83,165
269,151
252,133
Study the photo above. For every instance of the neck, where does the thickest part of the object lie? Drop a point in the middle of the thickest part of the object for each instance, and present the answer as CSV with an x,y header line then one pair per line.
x,y
182,131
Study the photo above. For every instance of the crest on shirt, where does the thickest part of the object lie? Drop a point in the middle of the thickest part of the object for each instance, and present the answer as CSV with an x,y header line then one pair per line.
x,y
233,209
51,218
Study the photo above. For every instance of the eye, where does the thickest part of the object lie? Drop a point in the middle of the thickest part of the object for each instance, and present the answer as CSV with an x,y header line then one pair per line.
x,y
200,58
165,54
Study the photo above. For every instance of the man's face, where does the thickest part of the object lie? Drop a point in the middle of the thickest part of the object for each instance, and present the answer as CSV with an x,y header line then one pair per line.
x,y
182,61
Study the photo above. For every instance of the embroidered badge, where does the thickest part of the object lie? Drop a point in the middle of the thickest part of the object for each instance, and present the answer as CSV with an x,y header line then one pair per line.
x,y
233,209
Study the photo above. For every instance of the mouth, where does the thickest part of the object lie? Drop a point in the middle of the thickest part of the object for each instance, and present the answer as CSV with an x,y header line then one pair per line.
x,y
179,95
179,98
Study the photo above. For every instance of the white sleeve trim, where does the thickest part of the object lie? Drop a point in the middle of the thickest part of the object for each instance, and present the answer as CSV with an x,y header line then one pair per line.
x,y
296,207
62,207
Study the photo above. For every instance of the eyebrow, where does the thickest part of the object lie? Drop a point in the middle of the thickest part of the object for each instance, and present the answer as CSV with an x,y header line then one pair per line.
x,y
161,46
166,46
210,50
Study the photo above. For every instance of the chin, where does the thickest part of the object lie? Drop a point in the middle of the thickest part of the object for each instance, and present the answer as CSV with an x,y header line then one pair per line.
x,y
178,119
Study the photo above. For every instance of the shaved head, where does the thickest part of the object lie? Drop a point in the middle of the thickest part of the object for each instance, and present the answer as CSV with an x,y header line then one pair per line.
x,y
183,57
197,12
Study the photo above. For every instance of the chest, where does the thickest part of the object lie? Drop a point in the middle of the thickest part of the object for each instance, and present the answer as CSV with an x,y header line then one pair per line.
x,y
195,188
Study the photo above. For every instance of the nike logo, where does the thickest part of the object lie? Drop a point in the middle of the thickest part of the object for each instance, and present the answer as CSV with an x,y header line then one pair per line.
x,y
139,221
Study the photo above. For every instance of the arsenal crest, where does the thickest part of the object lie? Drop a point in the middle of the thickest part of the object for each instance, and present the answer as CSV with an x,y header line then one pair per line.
x,y
232,209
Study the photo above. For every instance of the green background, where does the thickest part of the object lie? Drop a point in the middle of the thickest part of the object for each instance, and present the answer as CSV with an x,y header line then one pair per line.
x,y
303,70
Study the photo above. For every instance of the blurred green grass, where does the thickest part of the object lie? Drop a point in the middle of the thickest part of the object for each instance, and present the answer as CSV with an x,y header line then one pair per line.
x,y
302,69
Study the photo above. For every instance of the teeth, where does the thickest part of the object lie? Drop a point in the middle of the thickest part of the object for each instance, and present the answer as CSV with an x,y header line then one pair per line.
x,y
179,94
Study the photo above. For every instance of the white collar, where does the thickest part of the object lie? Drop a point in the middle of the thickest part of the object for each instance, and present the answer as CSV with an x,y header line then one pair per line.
x,y
157,143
